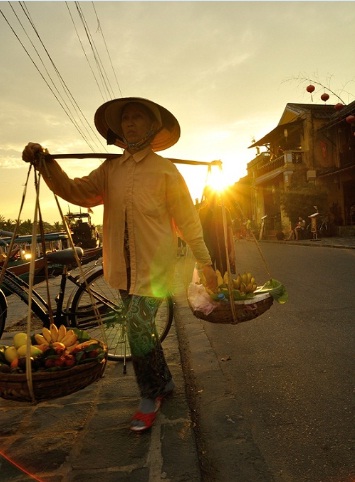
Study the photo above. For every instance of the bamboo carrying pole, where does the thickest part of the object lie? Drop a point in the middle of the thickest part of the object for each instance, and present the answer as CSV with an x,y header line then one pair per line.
x,y
112,156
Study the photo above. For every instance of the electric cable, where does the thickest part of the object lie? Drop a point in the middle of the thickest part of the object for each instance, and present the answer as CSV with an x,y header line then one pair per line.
x,y
107,51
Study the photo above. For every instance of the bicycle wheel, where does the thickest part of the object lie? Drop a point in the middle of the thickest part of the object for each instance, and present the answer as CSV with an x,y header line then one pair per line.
x,y
3,312
97,308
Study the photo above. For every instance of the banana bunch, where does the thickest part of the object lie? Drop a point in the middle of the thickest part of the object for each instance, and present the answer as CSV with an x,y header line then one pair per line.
x,y
222,287
223,281
245,283
54,334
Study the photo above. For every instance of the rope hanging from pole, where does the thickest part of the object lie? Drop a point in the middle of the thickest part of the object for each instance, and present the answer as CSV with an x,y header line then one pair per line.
x,y
230,278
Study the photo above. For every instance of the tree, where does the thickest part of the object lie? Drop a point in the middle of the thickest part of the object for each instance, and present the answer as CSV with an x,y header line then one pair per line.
x,y
304,79
300,199
25,227
57,226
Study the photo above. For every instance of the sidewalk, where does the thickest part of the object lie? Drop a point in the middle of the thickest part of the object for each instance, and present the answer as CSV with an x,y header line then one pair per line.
x,y
85,436
329,242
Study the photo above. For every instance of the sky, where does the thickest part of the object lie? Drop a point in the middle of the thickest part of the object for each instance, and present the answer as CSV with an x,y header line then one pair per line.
x,y
226,70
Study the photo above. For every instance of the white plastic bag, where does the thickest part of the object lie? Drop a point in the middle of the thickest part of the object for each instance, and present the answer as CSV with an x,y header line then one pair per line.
x,y
199,299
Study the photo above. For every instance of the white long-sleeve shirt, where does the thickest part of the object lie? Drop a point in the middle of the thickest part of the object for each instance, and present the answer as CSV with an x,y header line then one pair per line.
x,y
149,192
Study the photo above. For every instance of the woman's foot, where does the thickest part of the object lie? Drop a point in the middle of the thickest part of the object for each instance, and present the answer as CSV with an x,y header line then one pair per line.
x,y
146,414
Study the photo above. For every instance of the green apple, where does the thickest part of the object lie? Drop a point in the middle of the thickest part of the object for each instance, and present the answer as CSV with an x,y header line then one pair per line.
x,y
20,339
10,354
34,351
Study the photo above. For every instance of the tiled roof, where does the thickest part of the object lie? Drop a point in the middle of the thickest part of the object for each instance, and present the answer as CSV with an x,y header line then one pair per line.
x,y
319,111
340,115
277,131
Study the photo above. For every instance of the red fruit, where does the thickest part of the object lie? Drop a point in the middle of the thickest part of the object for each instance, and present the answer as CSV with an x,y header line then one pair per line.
x,y
324,97
59,362
69,360
310,88
50,362
14,364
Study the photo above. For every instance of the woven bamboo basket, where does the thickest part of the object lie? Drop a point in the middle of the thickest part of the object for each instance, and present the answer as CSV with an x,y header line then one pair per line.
x,y
48,385
245,310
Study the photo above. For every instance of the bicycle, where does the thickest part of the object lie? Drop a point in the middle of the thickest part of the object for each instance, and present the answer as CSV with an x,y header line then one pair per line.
x,y
92,306
323,228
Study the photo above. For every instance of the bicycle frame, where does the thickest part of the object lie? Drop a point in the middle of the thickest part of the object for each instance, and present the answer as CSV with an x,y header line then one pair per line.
x,y
39,306
92,306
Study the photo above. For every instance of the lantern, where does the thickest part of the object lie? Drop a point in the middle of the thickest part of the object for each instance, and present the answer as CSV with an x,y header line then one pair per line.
x,y
324,97
350,119
338,106
310,89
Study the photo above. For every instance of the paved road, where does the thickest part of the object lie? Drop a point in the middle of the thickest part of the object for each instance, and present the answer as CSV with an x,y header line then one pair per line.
x,y
276,394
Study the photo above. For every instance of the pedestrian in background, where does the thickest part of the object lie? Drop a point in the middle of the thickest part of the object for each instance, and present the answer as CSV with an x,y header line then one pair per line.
x,y
299,228
211,216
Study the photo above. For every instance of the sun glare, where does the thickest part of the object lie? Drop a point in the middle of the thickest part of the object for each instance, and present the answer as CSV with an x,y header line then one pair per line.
x,y
218,180
197,178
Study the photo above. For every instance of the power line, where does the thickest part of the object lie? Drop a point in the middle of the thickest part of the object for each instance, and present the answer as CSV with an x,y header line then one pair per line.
x,y
70,107
40,73
99,65
81,124
84,52
108,53
64,85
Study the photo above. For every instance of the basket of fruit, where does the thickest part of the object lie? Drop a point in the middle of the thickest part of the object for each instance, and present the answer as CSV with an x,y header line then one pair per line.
x,y
236,300
61,362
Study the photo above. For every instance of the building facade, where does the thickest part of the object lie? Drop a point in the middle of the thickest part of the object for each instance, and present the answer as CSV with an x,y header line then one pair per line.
x,y
316,143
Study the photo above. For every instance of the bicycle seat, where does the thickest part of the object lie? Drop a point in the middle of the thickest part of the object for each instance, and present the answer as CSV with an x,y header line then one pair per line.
x,y
65,256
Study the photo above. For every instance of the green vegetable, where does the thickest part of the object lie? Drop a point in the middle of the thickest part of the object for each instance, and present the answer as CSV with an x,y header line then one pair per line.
x,y
82,335
276,289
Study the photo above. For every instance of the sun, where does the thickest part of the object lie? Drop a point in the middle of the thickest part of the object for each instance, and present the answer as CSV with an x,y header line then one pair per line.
x,y
218,180
198,177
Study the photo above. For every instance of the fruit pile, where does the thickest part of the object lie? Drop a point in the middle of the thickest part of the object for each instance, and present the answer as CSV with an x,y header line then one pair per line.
x,y
244,286
245,283
54,349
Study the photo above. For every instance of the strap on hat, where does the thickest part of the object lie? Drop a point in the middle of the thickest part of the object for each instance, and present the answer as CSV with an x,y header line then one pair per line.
x,y
143,142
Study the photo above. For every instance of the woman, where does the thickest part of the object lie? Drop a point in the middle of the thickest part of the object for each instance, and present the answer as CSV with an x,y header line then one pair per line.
x,y
145,198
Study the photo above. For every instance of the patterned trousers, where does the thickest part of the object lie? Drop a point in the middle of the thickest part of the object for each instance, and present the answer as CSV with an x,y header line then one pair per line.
x,y
151,370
